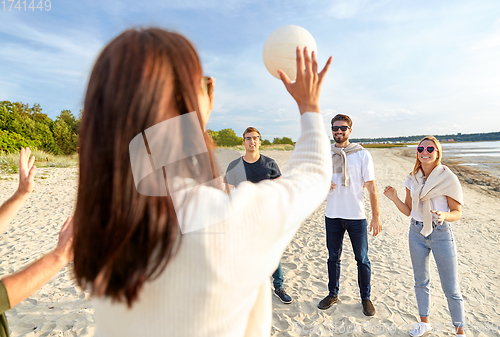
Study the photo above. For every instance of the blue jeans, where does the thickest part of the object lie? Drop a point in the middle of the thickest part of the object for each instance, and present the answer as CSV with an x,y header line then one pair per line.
x,y
278,278
335,229
442,244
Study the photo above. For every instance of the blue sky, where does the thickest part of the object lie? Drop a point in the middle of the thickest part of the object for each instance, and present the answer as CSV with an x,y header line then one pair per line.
x,y
399,67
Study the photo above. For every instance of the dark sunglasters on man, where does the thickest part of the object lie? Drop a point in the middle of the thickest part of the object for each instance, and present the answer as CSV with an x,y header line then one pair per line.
x,y
343,128
252,138
429,149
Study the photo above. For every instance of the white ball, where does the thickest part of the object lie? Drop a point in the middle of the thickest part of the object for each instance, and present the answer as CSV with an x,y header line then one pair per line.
x,y
280,49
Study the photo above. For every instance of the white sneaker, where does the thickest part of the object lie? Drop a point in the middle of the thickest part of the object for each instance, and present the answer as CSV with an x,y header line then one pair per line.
x,y
419,329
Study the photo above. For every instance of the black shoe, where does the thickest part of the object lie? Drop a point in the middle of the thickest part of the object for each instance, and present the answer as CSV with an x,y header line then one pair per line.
x,y
283,296
368,308
327,302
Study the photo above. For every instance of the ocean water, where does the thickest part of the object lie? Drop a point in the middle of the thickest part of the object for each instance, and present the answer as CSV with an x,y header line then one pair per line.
x,y
481,155
472,149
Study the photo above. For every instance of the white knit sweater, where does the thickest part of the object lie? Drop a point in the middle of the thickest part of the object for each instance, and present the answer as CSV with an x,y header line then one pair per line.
x,y
218,284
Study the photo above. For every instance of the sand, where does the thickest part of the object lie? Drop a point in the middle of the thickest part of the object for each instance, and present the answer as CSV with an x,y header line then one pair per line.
x,y
60,308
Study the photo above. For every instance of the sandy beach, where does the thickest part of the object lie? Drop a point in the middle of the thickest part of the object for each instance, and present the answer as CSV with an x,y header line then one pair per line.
x,y
60,308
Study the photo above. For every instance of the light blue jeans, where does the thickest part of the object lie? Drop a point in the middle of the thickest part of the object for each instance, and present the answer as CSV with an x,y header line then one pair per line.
x,y
442,244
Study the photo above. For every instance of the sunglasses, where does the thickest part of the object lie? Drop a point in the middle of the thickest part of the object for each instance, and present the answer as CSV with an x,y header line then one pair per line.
x,y
429,149
252,138
343,128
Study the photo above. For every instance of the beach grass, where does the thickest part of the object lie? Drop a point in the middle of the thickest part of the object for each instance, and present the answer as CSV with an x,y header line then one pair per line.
x,y
288,147
383,145
9,162
275,147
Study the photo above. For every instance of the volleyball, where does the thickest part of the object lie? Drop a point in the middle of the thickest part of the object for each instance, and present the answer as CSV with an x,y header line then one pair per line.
x,y
280,49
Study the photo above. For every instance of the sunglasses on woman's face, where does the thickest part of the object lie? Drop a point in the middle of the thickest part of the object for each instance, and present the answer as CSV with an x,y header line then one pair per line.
x,y
343,128
429,149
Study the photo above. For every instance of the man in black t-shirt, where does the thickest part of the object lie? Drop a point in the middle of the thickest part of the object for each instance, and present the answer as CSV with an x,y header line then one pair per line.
x,y
255,167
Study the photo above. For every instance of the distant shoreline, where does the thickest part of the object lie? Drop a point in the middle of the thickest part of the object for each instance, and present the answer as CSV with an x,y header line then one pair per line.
x,y
458,137
385,144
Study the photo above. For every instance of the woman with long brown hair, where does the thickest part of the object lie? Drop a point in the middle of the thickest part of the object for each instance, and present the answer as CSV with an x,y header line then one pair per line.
x,y
433,199
164,250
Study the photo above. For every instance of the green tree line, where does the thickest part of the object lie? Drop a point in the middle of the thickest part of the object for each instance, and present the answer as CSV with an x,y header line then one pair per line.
x,y
22,125
459,137
227,137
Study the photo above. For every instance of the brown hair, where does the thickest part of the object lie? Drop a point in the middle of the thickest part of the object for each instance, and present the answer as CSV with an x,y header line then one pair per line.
x,y
418,164
123,238
340,117
250,129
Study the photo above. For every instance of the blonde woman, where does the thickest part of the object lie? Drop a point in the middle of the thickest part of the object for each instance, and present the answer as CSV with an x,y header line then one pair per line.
x,y
433,199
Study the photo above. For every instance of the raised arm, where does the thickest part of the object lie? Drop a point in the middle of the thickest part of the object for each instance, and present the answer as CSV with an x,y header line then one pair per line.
x,y
404,207
22,284
307,88
276,208
304,183
27,171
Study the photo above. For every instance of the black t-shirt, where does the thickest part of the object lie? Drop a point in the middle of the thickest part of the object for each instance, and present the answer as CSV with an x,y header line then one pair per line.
x,y
239,170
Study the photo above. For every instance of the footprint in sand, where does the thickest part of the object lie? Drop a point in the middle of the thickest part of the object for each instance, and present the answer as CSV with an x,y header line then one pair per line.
x,y
320,285
289,265
303,274
315,254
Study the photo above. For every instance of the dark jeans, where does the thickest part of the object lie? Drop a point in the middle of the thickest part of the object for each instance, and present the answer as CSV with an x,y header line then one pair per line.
x,y
278,278
335,229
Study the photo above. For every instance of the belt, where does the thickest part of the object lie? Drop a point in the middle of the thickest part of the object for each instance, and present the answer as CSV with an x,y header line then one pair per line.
x,y
415,222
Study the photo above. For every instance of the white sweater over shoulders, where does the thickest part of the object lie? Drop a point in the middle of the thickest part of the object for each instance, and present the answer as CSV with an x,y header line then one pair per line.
x,y
218,284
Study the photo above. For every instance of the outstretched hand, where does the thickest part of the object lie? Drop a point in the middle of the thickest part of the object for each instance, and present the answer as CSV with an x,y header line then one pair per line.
x,y
391,193
26,172
307,87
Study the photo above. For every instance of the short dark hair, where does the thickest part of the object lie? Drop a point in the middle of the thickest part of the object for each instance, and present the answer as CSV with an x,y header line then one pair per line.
x,y
345,118
250,129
